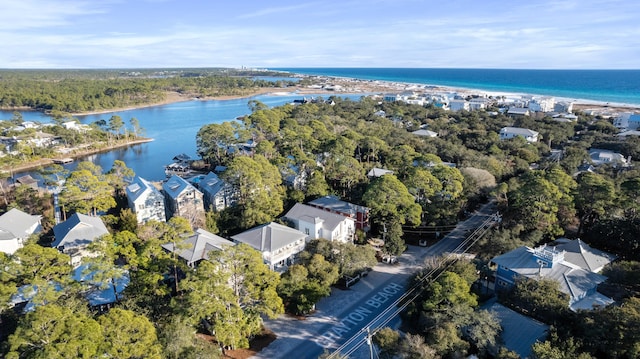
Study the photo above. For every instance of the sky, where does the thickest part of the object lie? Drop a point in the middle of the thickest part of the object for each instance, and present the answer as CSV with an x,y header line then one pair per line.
x,y
545,34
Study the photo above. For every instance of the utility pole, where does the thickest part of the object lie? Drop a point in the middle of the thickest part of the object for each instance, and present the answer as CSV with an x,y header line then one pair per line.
x,y
370,343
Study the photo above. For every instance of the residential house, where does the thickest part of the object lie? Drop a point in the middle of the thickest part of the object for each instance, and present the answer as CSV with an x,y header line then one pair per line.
x,y
74,235
183,199
518,112
425,133
563,106
458,105
217,193
378,172
519,332
511,132
317,223
278,243
360,214
601,157
571,263
197,246
542,104
627,121
478,103
145,200
15,227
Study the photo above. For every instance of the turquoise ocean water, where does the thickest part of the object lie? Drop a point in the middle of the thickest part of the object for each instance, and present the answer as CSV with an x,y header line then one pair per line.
x,y
613,86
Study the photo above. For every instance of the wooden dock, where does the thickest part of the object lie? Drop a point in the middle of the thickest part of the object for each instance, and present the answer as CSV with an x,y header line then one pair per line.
x,y
62,161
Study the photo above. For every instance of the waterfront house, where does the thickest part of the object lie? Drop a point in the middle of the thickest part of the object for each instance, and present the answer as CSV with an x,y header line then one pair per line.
x,y
511,132
517,112
627,121
15,227
459,105
317,223
184,200
196,247
74,235
571,263
542,104
27,181
360,214
145,200
217,193
278,244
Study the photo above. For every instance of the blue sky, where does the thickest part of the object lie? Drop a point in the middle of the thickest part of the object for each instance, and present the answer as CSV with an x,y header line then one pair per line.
x,y
560,34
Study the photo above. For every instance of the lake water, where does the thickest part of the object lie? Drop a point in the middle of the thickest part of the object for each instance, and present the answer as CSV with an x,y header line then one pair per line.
x,y
173,128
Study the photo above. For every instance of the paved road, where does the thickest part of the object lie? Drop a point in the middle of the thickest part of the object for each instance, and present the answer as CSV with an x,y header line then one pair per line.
x,y
344,314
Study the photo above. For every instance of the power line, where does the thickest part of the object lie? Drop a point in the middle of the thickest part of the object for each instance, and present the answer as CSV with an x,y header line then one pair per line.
x,y
416,290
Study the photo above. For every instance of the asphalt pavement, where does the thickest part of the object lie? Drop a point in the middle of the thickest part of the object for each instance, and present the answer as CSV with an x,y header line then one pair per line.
x,y
340,320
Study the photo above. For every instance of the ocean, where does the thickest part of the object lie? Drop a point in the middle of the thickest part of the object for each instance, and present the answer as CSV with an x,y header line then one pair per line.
x,y
612,86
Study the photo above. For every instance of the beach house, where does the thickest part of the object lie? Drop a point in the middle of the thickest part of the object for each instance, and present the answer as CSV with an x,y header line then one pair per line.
x,y
74,235
145,200
571,263
217,193
360,214
15,227
196,247
511,132
184,200
317,223
278,244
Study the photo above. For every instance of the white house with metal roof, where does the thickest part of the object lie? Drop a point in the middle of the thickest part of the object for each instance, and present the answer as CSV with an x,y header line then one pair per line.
x,y
602,157
183,199
571,263
197,246
145,200
278,243
334,204
511,132
74,235
317,223
15,227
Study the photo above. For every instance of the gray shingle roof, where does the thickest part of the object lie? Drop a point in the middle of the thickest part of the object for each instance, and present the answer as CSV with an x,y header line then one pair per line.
x,y
269,237
78,231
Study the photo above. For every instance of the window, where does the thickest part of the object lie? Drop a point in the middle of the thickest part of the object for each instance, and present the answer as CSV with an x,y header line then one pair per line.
x,y
306,231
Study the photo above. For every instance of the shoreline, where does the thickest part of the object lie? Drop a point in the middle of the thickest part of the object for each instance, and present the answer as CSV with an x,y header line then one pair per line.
x,y
354,86
13,169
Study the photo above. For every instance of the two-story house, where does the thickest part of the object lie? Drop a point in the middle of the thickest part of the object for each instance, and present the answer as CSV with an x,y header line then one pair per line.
x,y
278,243
217,193
184,200
333,204
145,200
74,235
15,227
571,263
317,223
197,246
511,132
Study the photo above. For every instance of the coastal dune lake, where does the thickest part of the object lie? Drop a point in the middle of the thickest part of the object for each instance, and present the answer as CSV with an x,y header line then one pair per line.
x,y
173,128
